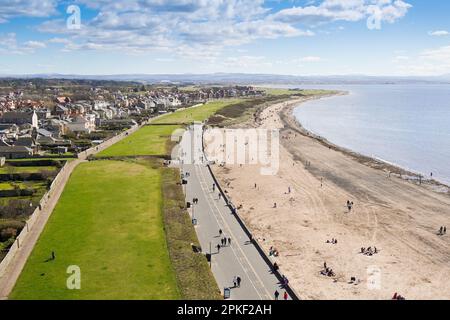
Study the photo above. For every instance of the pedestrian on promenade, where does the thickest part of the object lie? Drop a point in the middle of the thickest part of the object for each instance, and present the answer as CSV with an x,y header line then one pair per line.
x,y
277,294
214,187
276,267
229,241
286,296
238,279
220,232
220,196
234,282
218,248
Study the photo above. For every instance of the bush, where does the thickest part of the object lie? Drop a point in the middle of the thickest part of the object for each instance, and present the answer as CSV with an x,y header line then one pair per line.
x,y
8,233
16,208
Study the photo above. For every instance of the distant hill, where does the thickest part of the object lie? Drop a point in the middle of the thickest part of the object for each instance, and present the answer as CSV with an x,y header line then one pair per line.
x,y
240,78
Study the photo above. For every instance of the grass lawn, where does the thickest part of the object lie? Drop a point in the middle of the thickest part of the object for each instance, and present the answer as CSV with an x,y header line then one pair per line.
x,y
196,114
109,223
149,140
153,140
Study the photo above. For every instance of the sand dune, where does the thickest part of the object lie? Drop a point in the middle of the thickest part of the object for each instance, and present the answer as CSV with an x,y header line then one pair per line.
x,y
398,217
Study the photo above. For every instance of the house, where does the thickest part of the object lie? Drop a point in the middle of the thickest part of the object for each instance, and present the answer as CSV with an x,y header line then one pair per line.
x,y
62,100
15,152
27,141
8,130
61,111
82,124
20,118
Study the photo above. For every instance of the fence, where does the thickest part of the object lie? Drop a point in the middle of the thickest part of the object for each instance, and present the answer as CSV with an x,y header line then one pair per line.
x,y
255,242
32,219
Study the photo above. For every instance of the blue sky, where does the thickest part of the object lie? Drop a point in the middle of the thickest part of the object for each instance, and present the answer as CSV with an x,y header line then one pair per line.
x,y
322,37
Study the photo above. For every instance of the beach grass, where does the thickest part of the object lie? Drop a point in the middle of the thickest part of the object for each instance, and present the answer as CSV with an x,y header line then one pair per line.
x,y
199,113
109,223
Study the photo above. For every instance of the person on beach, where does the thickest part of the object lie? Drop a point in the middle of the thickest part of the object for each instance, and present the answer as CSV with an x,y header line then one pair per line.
x,y
285,296
276,294
238,279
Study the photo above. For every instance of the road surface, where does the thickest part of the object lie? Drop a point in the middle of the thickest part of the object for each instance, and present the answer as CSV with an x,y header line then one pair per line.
x,y
241,258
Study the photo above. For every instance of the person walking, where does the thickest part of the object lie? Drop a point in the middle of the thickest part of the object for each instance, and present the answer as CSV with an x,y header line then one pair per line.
x,y
285,296
214,187
220,196
53,255
276,294
238,279
234,282
220,232
229,241
218,248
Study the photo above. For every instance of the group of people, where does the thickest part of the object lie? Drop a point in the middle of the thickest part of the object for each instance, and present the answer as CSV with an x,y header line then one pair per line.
x,y
442,231
349,205
224,241
327,271
333,241
273,252
398,297
369,251
277,295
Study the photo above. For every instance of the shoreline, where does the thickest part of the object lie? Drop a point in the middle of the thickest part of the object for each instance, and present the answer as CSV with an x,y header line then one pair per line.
x,y
394,214
291,122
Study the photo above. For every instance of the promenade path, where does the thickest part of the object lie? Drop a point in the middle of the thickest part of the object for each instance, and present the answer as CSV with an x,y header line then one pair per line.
x,y
241,258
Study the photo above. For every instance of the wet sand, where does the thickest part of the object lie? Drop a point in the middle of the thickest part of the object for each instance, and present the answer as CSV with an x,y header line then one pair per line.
x,y
398,216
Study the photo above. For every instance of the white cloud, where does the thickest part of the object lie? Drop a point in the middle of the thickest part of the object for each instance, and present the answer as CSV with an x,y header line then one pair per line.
x,y
439,33
10,45
430,62
310,59
246,62
35,45
345,10
28,8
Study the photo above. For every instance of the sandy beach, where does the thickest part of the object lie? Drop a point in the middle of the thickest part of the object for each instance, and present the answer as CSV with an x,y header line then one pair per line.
x,y
397,216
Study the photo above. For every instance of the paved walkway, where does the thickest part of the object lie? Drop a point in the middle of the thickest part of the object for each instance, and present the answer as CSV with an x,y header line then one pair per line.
x,y
15,267
241,258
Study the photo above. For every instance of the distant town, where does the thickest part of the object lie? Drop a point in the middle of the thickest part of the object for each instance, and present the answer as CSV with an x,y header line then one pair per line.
x,y
50,117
